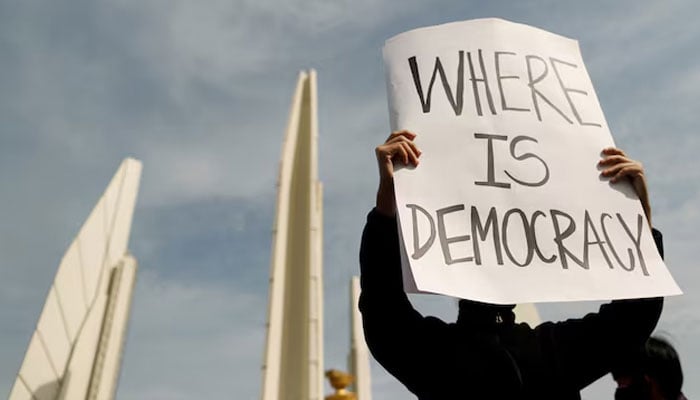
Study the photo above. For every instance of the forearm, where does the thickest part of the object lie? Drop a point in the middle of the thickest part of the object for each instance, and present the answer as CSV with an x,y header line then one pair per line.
x,y
386,200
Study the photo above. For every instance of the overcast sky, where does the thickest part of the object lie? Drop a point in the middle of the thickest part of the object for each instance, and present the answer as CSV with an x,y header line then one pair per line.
x,y
200,91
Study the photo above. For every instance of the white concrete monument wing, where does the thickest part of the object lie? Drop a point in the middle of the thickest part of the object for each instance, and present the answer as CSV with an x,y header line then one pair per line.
x,y
75,351
92,241
69,290
20,392
52,331
122,215
37,373
111,196
109,354
79,370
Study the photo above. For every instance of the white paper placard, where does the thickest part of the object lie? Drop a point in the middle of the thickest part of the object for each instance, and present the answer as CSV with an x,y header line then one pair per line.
x,y
507,204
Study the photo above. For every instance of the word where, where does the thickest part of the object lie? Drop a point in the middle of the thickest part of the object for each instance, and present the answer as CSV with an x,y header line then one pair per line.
x,y
536,72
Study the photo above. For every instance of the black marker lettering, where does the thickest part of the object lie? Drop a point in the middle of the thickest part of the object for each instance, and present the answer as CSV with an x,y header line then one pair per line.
x,y
491,172
535,93
479,232
455,101
612,247
528,236
536,214
559,237
500,78
637,241
476,80
418,250
444,240
567,91
588,226
525,156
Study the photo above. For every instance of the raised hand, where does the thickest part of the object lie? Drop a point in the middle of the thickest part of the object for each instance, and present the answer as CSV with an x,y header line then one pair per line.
x,y
398,148
618,166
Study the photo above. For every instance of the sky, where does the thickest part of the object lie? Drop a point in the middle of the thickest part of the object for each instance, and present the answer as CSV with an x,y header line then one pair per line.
x,y
200,92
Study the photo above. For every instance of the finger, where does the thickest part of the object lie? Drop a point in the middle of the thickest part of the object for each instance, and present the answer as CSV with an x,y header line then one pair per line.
x,y
398,153
614,169
621,171
412,156
626,172
615,159
404,137
399,138
616,166
404,140
407,134
614,151
385,152
414,148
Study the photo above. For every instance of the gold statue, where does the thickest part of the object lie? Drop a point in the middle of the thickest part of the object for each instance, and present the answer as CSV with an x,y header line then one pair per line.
x,y
340,380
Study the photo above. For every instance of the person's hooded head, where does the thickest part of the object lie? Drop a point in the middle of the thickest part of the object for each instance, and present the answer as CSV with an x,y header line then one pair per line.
x,y
654,373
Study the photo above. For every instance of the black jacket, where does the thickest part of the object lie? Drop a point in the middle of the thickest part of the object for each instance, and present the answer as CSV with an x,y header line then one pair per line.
x,y
485,354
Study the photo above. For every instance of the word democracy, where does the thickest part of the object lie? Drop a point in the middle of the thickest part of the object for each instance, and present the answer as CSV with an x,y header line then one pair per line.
x,y
500,228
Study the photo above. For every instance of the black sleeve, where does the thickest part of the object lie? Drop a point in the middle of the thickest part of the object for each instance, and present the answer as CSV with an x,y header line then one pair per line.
x,y
391,324
583,350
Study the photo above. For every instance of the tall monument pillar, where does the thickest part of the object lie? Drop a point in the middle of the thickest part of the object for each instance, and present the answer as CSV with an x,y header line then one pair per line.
x,y
359,353
293,361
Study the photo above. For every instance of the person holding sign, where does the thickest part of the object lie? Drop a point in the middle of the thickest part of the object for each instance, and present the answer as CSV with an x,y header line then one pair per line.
x,y
485,354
